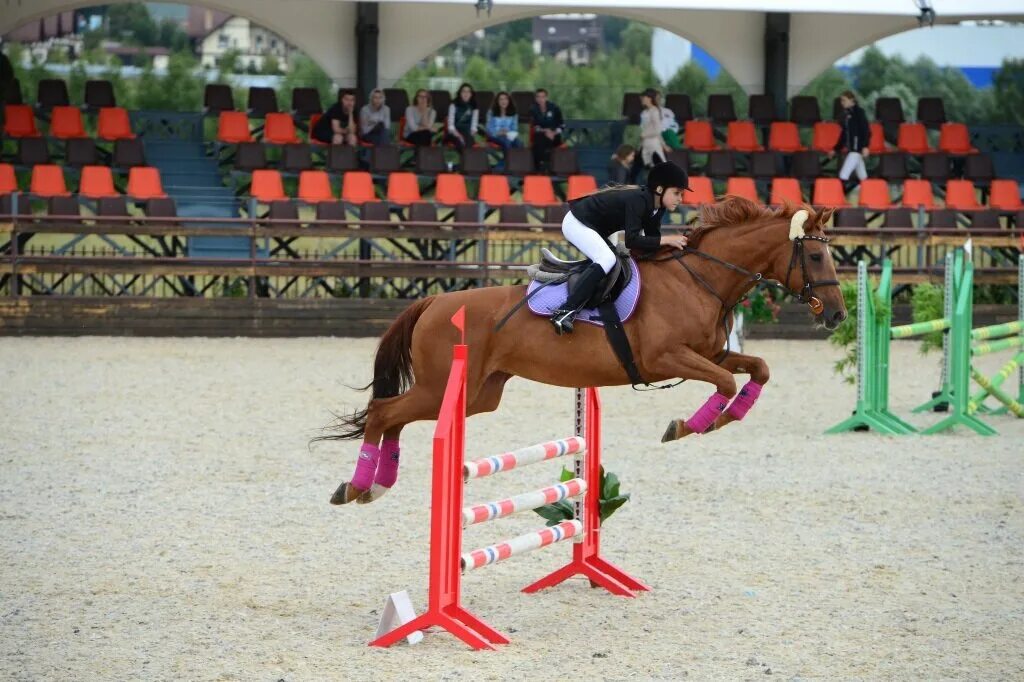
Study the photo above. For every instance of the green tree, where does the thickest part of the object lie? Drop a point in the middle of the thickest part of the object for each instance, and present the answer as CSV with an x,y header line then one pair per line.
x,y
725,84
271,66
829,84
180,90
229,62
131,23
691,79
1008,86
636,42
303,72
171,35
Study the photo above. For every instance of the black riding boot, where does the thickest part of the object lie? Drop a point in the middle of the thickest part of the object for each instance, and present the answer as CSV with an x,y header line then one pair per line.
x,y
586,285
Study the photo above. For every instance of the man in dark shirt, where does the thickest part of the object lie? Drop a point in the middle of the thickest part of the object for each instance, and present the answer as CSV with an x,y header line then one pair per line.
x,y
546,122
338,124
7,83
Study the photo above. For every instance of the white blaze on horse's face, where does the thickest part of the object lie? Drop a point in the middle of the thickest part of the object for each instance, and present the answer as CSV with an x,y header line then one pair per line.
x,y
796,225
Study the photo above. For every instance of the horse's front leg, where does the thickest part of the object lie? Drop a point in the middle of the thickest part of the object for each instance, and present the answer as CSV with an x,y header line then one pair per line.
x,y
757,368
686,363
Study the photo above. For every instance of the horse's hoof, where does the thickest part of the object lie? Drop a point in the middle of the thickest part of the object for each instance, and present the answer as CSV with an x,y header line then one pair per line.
x,y
375,492
346,493
672,432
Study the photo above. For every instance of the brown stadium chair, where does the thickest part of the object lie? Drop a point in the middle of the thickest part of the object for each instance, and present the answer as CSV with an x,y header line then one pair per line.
x,y
52,92
804,110
397,99
935,167
681,106
262,101
564,162
978,168
306,102
331,210
514,216
899,217
384,160
250,157
523,100
680,157
721,109
850,217
467,213
764,165
218,97
32,151
806,165
762,109
296,158
474,161
893,167
129,153
554,215
943,218
375,211
931,111
985,219
283,209
721,164
64,206
113,207
631,107
342,158
519,161
422,212
430,161
161,207
99,94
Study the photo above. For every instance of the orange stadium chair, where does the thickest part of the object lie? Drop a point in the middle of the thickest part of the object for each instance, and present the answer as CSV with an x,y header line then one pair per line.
x,y
315,186
494,190
954,138
451,189
786,190
741,136
113,124
20,121
826,135
877,144
699,136
233,127
403,188
829,192
1004,195
144,183
538,191
701,191
874,194
48,181
66,123
357,188
313,118
918,193
785,137
267,186
8,180
279,129
913,139
580,186
961,195
742,187
97,183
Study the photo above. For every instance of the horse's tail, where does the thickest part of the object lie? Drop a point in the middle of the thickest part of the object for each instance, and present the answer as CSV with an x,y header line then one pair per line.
x,y
392,371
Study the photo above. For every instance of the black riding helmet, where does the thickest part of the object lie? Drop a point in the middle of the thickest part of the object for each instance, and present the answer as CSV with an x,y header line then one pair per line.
x,y
665,175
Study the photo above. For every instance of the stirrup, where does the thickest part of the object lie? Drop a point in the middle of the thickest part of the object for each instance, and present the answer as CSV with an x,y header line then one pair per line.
x,y
562,321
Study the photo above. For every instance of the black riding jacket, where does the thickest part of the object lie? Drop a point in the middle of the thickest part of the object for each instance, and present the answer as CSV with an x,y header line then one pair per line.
x,y
856,130
630,209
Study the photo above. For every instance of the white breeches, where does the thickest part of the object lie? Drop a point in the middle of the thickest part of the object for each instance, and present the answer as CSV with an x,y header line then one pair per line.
x,y
589,242
853,162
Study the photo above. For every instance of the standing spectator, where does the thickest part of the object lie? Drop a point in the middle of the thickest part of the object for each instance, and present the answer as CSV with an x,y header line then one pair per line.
x,y
856,138
375,120
620,165
503,123
338,124
546,122
669,125
420,120
652,144
463,118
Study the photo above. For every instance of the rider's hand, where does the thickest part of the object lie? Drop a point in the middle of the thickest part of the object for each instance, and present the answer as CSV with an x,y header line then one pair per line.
x,y
675,241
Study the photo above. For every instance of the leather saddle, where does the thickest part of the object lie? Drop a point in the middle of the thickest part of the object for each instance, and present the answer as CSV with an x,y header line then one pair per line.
x,y
552,268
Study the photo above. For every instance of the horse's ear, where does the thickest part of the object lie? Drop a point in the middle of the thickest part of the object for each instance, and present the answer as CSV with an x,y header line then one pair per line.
x,y
796,225
824,217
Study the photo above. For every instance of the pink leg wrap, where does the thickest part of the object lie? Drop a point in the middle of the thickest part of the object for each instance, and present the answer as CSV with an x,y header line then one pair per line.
x,y
745,400
366,465
703,418
387,469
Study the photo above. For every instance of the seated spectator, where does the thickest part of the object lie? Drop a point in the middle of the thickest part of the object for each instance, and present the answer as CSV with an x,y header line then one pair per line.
x,y
503,123
546,121
375,120
669,125
620,166
338,124
463,118
420,120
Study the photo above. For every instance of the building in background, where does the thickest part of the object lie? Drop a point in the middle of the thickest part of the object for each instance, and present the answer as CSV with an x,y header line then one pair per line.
x,y
569,38
217,33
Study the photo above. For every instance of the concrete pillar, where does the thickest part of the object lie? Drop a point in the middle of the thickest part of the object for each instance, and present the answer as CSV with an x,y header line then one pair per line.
x,y
367,35
776,60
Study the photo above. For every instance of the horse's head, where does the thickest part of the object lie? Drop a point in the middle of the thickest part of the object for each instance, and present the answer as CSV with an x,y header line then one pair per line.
x,y
803,264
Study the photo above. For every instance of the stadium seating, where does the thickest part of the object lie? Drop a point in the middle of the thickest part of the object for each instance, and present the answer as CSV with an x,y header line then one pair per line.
x,y
538,191
954,138
681,106
144,183
97,182
384,160
631,107
262,101
48,181
961,195
403,188
112,207
519,161
804,110
113,123
1004,195
829,192
918,193
931,111
80,152
850,217
806,165
564,162
721,109
761,109
451,189
8,179
357,188
430,161
513,214
32,151
742,137
342,158
494,190
698,136
979,169
233,127
218,97
874,194
721,164
898,217
279,128
554,215
826,136
913,139
99,95
935,167
764,165
742,187
315,186
128,153
66,123
877,144
580,186
296,158
785,137
52,92
306,102
20,121
893,167
474,161
267,186
701,192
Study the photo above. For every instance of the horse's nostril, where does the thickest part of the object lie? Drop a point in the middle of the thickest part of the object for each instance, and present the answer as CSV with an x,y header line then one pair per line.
x,y
839,316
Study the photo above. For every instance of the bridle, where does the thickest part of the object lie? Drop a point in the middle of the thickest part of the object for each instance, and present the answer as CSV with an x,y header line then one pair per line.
x,y
805,295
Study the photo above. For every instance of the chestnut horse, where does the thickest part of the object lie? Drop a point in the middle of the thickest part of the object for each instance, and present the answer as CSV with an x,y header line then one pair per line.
x,y
677,330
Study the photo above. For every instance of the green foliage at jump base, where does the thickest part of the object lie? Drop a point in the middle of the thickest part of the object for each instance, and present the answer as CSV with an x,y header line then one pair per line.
x,y
611,499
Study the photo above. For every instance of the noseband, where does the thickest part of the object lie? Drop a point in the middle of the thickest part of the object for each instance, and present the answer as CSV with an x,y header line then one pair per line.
x,y
805,295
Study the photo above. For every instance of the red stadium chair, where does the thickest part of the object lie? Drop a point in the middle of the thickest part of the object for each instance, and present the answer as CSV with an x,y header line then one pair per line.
x,y
48,181
701,192
961,195
785,137
20,121
877,144
742,187
313,118
699,136
279,129
8,180
494,190
954,138
786,191
918,193
451,189
826,135
829,192
66,123
742,137
114,124
538,191
233,127
315,186
97,183
267,186
1004,195
403,188
913,139
357,188
874,194
144,183
580,186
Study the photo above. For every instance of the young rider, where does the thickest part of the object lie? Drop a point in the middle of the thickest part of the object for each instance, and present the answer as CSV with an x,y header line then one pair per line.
x,y
594,218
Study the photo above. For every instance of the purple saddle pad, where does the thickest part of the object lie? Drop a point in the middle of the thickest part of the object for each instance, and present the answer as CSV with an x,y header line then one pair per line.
x,y
551,297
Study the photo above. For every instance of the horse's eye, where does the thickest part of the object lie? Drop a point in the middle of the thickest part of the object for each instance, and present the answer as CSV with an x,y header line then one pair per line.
x,y
816,257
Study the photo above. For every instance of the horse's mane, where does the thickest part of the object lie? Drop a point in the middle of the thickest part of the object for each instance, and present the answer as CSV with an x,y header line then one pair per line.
x,y
731,210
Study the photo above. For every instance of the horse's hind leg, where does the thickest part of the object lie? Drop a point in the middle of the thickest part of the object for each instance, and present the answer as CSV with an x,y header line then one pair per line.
x,y
757,368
